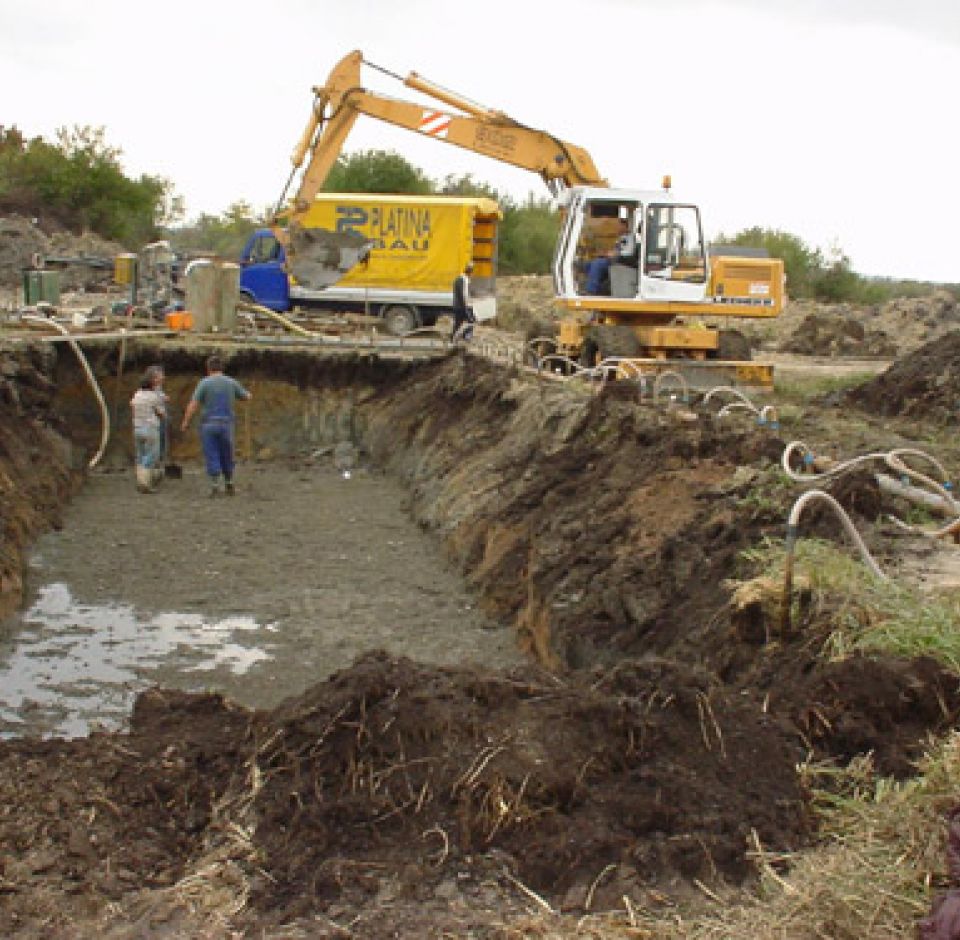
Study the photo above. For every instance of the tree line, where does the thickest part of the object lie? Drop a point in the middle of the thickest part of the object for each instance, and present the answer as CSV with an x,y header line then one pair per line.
x,y
78,182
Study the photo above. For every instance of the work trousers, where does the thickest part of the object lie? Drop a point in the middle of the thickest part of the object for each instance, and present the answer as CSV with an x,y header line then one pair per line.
x,y
217,439
464,319
147,443
597,271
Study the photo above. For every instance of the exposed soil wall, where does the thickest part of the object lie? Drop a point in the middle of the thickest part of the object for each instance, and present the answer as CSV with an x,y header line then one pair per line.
x,y
38,467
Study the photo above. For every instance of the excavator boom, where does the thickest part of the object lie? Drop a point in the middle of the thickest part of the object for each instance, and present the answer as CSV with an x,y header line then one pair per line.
x,y
339,103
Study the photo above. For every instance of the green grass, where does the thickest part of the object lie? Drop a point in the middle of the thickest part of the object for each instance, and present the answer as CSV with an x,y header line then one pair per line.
x,y
802,389
867,614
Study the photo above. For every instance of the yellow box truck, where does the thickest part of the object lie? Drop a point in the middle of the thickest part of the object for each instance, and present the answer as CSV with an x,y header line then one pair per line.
x,y
411,248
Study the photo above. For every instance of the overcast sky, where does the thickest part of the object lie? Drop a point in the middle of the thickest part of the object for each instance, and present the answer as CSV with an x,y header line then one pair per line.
x,y
830,119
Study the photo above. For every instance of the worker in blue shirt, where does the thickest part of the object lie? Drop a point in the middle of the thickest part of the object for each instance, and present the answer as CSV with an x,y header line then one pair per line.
x,y
216,394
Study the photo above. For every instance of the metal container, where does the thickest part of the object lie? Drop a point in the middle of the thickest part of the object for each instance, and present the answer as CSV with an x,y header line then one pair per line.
x,y
41,287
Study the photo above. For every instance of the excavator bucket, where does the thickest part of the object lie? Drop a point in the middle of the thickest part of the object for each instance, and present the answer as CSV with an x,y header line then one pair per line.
x,y
318,257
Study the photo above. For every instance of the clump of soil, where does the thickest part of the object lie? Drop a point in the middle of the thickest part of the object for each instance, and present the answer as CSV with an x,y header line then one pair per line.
x,y
924,384
394,775
524,300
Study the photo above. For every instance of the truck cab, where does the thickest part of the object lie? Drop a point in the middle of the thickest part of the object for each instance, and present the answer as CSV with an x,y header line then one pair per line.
x,y
263,277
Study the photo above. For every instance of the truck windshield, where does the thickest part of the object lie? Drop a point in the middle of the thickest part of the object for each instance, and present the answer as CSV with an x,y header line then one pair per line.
x,y
265,248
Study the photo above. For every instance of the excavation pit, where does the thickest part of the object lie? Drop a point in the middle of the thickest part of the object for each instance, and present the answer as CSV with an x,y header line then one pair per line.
x,y
630,744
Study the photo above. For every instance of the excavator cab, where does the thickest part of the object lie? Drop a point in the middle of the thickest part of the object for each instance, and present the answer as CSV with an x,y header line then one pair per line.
x,y
668,263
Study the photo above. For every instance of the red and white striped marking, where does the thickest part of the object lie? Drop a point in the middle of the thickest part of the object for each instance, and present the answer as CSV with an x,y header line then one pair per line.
x,y
435,123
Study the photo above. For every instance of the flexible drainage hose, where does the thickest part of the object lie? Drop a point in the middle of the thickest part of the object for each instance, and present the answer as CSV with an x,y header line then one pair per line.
x,y
793,523
820,469
767,415
658,383
104,411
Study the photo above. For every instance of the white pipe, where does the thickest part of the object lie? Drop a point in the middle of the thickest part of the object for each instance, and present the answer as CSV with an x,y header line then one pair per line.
x,y
932,501
670,374
793,521
267,312
826,474
729,389
557,357
104,412
941,499
769,415
736,406
895,463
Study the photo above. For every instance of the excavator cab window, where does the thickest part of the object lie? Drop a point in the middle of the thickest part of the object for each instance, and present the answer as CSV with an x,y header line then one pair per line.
x,y
673,244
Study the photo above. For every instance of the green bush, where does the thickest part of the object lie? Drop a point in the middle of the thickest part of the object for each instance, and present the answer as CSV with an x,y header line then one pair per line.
x,y
376,171
79,182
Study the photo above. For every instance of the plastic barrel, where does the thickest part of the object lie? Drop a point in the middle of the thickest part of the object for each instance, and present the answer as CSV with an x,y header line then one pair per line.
x,y
125,269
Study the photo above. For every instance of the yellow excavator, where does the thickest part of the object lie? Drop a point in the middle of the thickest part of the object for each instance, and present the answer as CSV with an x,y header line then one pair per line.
x,y
631,267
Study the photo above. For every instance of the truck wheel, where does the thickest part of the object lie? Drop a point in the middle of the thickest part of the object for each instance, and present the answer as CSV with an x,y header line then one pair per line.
x,y
734,346
603,342
400,319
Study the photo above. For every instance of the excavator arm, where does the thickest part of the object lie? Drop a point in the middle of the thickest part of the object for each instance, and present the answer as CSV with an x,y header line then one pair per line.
x,y
339,103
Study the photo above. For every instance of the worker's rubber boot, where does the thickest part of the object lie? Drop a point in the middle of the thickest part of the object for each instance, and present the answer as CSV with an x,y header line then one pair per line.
x,y
144,479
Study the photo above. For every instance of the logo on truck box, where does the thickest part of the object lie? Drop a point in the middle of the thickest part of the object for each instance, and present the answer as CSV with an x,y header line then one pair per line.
x,y
390,228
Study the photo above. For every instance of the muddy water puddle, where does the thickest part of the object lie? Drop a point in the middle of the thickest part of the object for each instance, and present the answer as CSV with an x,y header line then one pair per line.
x,y
258,596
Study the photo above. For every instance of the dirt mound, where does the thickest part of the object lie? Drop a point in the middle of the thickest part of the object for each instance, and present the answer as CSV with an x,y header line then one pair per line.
x,y
22,242
924,384
837,334
524,300
397,774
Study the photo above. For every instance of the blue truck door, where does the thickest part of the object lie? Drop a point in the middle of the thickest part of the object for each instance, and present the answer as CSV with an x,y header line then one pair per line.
x,y
262,275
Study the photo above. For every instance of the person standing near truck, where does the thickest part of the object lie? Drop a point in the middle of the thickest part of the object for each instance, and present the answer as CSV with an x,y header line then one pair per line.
x,y
216,393
462,311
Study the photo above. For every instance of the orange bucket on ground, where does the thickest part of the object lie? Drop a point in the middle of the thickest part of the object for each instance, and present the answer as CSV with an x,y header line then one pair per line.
x,y
180,320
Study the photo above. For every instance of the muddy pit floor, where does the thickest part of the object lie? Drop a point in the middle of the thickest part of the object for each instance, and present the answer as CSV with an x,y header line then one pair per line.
x,y
258,596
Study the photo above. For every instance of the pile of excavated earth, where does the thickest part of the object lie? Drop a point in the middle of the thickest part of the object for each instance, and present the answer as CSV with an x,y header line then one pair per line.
x,y
649,741
83,261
